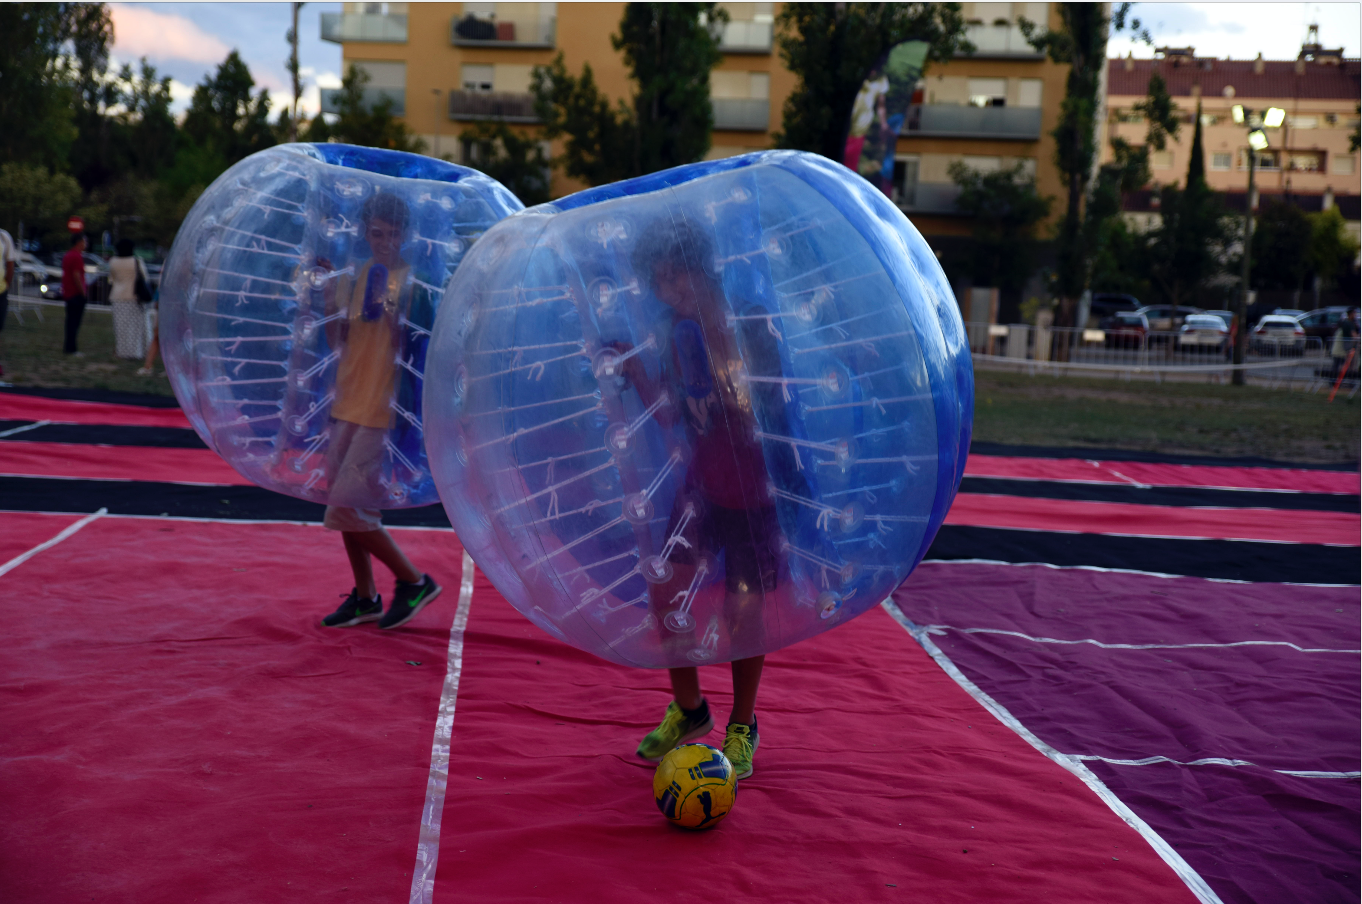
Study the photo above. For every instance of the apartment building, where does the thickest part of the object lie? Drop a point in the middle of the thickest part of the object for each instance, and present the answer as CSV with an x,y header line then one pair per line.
x,y
1308,157
448,65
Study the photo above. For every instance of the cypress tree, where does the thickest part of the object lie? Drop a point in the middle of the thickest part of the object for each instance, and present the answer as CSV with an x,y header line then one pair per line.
x,y
1196,169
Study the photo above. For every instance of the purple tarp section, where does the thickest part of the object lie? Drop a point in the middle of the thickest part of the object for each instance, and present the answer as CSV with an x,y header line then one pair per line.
x,y
1254,834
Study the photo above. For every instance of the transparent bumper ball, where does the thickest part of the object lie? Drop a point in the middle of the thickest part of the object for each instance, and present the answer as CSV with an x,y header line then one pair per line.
x,y
296,309
701,415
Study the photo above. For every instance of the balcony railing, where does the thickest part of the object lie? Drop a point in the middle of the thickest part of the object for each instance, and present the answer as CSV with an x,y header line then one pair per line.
x,y
930,197
1000,41
507,106
952,121
372,96
741,114
341,27
473,32
746,37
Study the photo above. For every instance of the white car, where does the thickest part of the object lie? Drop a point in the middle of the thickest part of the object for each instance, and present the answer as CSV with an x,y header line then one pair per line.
x,y
1277,333
1204,332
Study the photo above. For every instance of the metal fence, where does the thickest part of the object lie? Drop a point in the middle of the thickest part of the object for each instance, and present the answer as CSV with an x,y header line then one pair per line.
x,y
1308,361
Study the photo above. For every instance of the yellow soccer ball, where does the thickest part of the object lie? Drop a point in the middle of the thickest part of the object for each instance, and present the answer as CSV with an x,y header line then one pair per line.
x,y
694,786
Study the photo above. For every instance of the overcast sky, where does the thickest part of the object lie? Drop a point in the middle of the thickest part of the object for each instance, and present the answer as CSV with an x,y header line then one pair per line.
x,y
188,40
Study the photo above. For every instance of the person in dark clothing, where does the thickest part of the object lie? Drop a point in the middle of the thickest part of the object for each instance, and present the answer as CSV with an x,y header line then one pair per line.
x,y
73,291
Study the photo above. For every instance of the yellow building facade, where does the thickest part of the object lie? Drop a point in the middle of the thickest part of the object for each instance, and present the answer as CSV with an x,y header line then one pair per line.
x,y
448,65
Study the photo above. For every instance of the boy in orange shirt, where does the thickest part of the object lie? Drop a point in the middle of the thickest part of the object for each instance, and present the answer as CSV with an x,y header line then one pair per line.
x,y
369,335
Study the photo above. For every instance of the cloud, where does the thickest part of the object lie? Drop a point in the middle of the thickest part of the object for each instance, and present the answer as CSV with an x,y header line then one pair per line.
x,y
139,32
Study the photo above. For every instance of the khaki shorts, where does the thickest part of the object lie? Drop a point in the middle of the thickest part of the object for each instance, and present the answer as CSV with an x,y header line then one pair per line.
x,y
354,463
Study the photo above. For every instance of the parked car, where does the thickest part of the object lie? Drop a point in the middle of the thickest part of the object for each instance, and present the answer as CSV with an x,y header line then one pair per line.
x,y
1107,304
1164,318
1323,323
1204,333
1278,334
96,276
1230,323
1125,329
1289,312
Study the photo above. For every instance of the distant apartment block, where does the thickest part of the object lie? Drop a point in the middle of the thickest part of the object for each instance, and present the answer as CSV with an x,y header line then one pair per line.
x,y
448,65
1308,158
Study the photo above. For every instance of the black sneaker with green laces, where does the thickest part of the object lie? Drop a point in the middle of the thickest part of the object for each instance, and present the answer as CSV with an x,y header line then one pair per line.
x,y
409,599
355,611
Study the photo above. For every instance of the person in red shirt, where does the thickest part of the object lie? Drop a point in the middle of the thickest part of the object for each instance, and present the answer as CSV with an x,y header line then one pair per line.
x,y
724,505
73,291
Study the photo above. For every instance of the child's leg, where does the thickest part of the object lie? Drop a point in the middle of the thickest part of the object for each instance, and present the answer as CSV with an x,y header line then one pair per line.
x,y
746,680
380,544
686,687
360,565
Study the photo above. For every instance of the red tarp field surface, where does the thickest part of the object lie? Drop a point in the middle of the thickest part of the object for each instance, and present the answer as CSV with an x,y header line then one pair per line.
x,y
182,730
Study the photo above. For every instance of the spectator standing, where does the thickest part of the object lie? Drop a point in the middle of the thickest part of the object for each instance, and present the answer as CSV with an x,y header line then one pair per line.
x,y
130,328
73,291
153,339
7,258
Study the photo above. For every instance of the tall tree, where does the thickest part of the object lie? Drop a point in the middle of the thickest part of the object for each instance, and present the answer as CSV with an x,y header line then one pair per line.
x,y
516,161
670,49
831,47
225,118
291,64
1081,44
363,121
36,102
1004,208
1196,167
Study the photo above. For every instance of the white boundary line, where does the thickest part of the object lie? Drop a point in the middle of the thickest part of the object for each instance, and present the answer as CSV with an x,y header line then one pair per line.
x,y
1193,880
33,426
1100,569
942,629
1212,761
48,544
428,848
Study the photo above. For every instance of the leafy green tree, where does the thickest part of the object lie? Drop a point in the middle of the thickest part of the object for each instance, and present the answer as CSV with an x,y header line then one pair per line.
x,y
670,49
1332,249
830,48
1188,247
148,129
1004,208
1281,247
1081,44
363,123
36,197
35,95
516,161
225,118
598,136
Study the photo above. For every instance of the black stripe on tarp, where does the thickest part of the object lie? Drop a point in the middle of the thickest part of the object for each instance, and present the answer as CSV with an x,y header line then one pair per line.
x,y
98,396
1084,453
138,497
1175,496
1239,560
106,435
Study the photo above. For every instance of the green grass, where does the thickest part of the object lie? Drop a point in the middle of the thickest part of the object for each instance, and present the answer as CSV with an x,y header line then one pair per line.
x,y
32,356
1196,418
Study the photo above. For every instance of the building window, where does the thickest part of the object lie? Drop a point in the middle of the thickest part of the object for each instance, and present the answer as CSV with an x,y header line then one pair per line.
x,y
1305,122
1344,165
905,181
1161,160
988,92
1221,161
1029,92
983,164
478,77
1266,160
1306,161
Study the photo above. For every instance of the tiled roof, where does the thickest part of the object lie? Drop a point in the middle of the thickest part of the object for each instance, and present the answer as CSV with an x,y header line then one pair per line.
x,y
1277,80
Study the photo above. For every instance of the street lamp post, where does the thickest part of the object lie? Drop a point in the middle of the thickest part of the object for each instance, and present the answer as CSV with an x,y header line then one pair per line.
x,y
1257,140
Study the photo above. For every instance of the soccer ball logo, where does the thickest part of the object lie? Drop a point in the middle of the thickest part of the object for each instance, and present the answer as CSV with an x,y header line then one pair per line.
x,y
694,786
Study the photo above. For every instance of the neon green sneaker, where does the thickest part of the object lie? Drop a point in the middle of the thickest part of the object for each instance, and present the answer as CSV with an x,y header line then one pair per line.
x,y
675,730
739,746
